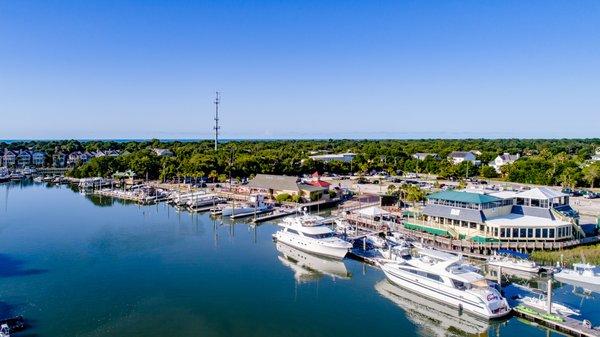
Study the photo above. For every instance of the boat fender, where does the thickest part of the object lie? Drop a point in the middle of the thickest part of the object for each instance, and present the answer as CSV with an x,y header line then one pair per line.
x,y
586,323
460,308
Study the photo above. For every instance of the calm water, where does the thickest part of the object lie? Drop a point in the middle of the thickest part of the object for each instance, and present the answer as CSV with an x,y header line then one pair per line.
x,y
77,266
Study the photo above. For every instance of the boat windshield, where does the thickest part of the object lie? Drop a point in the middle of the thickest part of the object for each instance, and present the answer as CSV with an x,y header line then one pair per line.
x,y
320,236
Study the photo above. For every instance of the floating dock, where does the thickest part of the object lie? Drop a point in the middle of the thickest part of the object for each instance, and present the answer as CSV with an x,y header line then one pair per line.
x,y
566,325
276,214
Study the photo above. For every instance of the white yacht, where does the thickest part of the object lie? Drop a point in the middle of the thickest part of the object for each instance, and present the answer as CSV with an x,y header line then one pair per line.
x,y
255,204
181,199
309,267
585,274
307,233
432,318
449,280
514,261
542,304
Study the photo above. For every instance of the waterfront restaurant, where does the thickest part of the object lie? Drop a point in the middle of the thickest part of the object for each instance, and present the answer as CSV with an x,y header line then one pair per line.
x,y
539,214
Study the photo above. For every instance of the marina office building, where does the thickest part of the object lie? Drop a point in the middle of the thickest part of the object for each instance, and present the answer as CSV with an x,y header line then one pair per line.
x,y
539,214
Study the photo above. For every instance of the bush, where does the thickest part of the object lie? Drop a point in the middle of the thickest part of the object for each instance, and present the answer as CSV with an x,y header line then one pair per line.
x,y
332,194
283,197
296,198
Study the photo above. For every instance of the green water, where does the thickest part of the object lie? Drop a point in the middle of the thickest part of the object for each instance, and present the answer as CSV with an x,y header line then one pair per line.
x,y
77,266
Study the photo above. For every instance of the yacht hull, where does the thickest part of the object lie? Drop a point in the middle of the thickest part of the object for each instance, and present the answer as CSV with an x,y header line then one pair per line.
x,y
514,266
308,246
447,296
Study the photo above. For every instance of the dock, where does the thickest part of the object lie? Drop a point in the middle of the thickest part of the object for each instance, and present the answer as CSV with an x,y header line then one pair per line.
x,y
566,325
276,214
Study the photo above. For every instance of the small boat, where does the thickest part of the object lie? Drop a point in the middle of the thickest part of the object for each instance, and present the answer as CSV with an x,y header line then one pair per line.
x,y
541,304
15,176
376,241
38,179
510,259
585,274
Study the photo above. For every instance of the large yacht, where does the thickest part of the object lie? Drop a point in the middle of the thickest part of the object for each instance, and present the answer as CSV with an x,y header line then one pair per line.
x,y
255,204
448,280
307,233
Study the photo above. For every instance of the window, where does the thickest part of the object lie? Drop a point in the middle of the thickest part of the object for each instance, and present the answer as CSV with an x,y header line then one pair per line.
x,y
544,232
523,232
551,235
538,232
502,232
293,231
495,231
530,232
434,277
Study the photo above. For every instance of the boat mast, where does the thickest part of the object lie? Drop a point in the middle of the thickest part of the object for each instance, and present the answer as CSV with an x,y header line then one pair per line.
x,y
217,127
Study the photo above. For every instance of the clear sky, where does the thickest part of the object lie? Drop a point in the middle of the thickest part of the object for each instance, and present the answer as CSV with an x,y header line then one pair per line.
x,y
299,69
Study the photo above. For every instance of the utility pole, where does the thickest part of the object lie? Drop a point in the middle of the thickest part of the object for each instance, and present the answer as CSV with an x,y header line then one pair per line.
x,y
217,127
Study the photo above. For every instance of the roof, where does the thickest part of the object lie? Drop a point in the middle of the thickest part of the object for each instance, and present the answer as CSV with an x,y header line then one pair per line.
x,y
319,183
542,193
310,187
464,214
372,211
459,196
460,154
504,194
274,182
518,220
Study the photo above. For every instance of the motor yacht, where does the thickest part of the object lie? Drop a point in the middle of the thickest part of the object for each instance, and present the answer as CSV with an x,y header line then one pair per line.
x,y
255,204
513,260
582,273
447,279
309,267
307,233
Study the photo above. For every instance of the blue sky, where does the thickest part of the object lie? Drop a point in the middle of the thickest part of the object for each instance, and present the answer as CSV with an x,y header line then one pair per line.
x,y
299,69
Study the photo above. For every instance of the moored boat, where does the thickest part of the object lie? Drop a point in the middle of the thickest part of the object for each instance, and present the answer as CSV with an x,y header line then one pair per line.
x,y
449,280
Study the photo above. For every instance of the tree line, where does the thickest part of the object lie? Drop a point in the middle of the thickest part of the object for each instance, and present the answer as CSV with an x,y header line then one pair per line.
x,y
563,162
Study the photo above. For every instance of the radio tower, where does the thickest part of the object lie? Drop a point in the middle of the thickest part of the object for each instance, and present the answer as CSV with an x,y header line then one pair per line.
x,y
217,127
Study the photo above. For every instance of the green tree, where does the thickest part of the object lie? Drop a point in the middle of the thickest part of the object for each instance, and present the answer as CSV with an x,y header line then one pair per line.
x,y
591,173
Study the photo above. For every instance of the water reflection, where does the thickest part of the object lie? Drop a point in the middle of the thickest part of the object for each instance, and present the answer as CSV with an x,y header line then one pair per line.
x,y
308,267
433,318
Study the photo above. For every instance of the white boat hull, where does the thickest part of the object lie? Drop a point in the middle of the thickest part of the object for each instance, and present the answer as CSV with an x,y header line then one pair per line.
x,y
452,297
515,266
311,246
572,276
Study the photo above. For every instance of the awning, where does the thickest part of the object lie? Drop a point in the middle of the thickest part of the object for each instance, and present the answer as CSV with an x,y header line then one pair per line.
x,y
430,230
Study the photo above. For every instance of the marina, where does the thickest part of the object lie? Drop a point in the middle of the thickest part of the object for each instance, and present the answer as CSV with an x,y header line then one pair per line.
x,y
306,268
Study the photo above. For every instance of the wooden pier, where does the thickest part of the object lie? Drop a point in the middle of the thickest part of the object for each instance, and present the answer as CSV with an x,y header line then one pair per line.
x,y
566,325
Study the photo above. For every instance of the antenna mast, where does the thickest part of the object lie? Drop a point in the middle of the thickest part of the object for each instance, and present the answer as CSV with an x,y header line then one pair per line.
x,y
217,127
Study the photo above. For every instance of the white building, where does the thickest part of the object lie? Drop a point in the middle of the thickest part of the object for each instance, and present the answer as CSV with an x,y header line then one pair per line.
x,y
345,157
503,159
596,157
457,157
424,155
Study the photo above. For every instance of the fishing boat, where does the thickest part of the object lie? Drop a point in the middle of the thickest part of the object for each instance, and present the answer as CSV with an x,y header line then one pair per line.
x,y
449,280
307,233
10,325
582,273
511,259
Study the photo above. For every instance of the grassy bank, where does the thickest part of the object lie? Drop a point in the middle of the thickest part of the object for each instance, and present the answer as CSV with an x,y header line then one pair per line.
x,y
589,254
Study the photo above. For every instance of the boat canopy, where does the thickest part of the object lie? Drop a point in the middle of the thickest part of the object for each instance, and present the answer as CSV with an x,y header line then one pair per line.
x,y
512,253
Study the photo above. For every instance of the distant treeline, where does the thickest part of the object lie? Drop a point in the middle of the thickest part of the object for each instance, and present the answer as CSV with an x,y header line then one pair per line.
x,y
563,162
